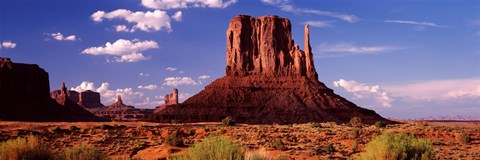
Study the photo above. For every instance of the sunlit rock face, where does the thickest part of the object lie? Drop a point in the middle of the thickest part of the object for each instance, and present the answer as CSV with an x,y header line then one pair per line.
x,y
268,79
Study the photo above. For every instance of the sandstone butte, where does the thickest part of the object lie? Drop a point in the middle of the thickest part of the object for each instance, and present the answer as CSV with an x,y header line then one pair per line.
x,y
268,79
86,99
24,96
119,111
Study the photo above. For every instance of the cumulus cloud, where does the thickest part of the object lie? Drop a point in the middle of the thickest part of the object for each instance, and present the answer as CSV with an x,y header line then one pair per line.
x,y
144,21
285,5
60,37
123,28
156,101
320,24
174,4
204,77
123,50
178,81
108,95
345,49
363,91
183,96
428,24
177,16
171,69
8,44
148,87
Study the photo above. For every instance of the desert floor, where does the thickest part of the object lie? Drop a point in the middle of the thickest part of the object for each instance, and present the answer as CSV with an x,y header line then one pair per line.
x,y
143,140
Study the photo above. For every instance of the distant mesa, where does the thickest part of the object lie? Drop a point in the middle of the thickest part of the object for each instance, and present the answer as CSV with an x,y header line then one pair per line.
x,y
24,96
119,111
119,104
86,99
268,79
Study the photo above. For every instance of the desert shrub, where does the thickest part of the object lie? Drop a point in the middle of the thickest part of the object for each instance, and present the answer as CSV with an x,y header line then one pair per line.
x,y
380,124
355,122
355,133
354,146
74,128
214,147
258,155
29,148
106,126
463,138
394,146
279,145
315,125
174,139
175,121
228,121
329,148
82,152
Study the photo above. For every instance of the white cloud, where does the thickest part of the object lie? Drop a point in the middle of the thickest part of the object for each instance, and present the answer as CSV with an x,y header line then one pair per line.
x,y
285,5
157,101
183,96
60,37
173,4
177,81
134,57
319,24
123,50
429,24
344,49
204,77
171,69
363,91
144,74
8,44
145,21
438,90
148,87
123,28
177,16
109,96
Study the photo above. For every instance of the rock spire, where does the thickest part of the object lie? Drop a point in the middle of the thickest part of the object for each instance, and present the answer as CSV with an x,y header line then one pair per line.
x,y
264,46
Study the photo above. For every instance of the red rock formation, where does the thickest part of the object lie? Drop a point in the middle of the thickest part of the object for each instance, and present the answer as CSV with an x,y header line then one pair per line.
x,y
120,112
170,99
119,104
24,96
72,95
264,46
268,80
86,99
90,99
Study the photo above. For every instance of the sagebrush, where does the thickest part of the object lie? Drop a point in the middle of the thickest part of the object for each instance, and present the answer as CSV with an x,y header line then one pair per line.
x,y
396,146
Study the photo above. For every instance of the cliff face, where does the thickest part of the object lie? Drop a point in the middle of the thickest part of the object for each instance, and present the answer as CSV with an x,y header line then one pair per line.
x,y
89,99
24,96
268,79
86,99
264,46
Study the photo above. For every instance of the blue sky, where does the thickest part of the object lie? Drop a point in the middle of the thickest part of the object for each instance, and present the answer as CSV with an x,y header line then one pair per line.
x,y
404,59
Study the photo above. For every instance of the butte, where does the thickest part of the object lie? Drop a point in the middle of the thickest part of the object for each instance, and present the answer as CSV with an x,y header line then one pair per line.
x,y
268,80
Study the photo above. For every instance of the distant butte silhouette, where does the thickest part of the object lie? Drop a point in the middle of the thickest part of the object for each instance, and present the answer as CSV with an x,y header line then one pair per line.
x,y
24,96
268,79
